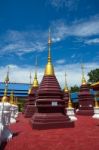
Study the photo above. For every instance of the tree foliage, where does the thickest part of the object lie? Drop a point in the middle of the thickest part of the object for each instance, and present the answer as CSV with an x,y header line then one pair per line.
x,y
74,88
93,76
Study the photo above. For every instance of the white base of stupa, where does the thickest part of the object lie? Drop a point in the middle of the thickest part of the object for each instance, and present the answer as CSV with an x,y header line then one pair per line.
x,y
1,130
96,113
6,135
71,114
12,120
16,115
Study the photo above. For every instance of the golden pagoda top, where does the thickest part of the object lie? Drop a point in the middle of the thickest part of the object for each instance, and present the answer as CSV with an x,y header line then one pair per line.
x,y
83,77
35,82
12,97
70,102
66,87
49,70
5,98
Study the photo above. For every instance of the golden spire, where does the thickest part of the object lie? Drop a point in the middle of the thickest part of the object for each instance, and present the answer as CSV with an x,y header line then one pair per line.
x,y
29,91
5,98
35,82
66,87
12,98
49,70
7,77
70,102
83,77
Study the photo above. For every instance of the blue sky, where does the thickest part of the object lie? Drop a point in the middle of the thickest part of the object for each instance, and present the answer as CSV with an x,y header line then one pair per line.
x,y
24,28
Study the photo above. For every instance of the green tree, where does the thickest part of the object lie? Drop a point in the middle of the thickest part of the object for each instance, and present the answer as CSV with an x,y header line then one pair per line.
x,y
93,76
74,88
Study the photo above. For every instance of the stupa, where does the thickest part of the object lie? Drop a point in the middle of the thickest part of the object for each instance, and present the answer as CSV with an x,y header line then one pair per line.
x,y
30,106
70,110
5,114
66,93
50,105
86,99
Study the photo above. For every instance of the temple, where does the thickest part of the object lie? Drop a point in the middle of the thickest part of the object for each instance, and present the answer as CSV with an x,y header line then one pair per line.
x,y
30,106
50,105
85,98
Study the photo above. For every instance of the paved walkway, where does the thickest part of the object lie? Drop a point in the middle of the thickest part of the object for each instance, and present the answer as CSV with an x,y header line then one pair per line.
x,y
85,136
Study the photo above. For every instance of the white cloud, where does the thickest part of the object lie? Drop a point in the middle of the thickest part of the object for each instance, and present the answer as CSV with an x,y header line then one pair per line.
x,y
73,56
69,4
21,42
61,61
92,41
80,29
21,74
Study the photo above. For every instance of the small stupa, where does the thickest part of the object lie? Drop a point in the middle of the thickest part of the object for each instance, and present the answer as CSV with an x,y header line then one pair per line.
x,y
70,110
5,113
85,98
49,102
30,106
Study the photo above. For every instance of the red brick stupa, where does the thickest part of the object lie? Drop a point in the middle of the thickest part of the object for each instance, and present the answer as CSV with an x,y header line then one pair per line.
x,y
66,93
50,105
86,100
30,107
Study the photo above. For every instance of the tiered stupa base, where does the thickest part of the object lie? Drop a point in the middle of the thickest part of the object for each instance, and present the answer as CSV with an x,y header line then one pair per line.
x,y
30,107
86,101
85,111
30,110
50,120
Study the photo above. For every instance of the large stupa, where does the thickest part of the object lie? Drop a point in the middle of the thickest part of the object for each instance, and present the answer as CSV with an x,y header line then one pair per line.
x,y
30,107
50,105
85,98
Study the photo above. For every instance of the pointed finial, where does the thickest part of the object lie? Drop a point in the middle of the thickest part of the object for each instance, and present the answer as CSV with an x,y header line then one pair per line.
x,y
49,70
49,46
66,87
70,102
83,77
5,98
12,97
29,91
36,68
30,78
49,38
7,77
35,82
